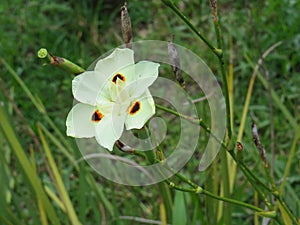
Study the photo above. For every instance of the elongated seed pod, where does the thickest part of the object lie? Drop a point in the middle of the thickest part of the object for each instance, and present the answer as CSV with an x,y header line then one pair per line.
x,y
258,145
126,26
175,62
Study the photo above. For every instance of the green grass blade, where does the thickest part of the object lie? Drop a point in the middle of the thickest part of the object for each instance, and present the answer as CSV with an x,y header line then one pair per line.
x,y
26,166
289,161
166,195
42,213
81,193
162,213
227,211
100,195
23,86
179,209
35,101
9,218
212,184
59,145
276,99
55,198
58,181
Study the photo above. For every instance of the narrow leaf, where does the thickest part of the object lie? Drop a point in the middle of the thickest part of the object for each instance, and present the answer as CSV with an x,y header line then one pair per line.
x,y
179,210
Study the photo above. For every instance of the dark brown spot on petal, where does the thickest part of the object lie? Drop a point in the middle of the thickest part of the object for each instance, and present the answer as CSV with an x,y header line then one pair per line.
x,y
97,116
134,108
118,76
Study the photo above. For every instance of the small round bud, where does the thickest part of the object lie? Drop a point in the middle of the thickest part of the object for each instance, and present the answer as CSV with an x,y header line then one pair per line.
x,y
42,53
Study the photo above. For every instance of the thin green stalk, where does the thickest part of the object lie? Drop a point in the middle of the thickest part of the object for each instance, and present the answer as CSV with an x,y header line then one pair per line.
x,y
153,157
231,83
228,179
248,173
217,51
150,155
226,186
213,206
62,63
172,6
253,179
224,78
199,190
287,210
233,201
274,192
193,120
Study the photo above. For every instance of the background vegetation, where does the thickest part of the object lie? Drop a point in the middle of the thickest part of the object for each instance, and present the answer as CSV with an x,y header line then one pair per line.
x,y
40,176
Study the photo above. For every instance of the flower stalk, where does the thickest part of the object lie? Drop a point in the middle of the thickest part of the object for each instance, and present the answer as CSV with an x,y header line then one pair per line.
x,y
60,62
199,190
172,6
213,4
216,50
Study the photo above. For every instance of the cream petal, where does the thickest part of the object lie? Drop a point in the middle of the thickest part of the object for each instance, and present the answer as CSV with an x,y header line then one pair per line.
x,y
118,59
145,109
79,121
139,77
110,128
86,86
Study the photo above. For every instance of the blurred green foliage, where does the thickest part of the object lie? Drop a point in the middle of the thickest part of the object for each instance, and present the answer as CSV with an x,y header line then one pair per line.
x,y
82,31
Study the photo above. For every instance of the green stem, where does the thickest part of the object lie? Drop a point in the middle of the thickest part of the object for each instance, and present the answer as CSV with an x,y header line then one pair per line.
x,y
253,179
233,201
171,5
199,190
60,62
287,210
167,198
224,77
193,120
226,188
249,174
217,51
186,180
180,188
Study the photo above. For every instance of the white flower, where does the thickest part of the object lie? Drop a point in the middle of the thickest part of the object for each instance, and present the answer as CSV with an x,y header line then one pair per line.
x,y
113,94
